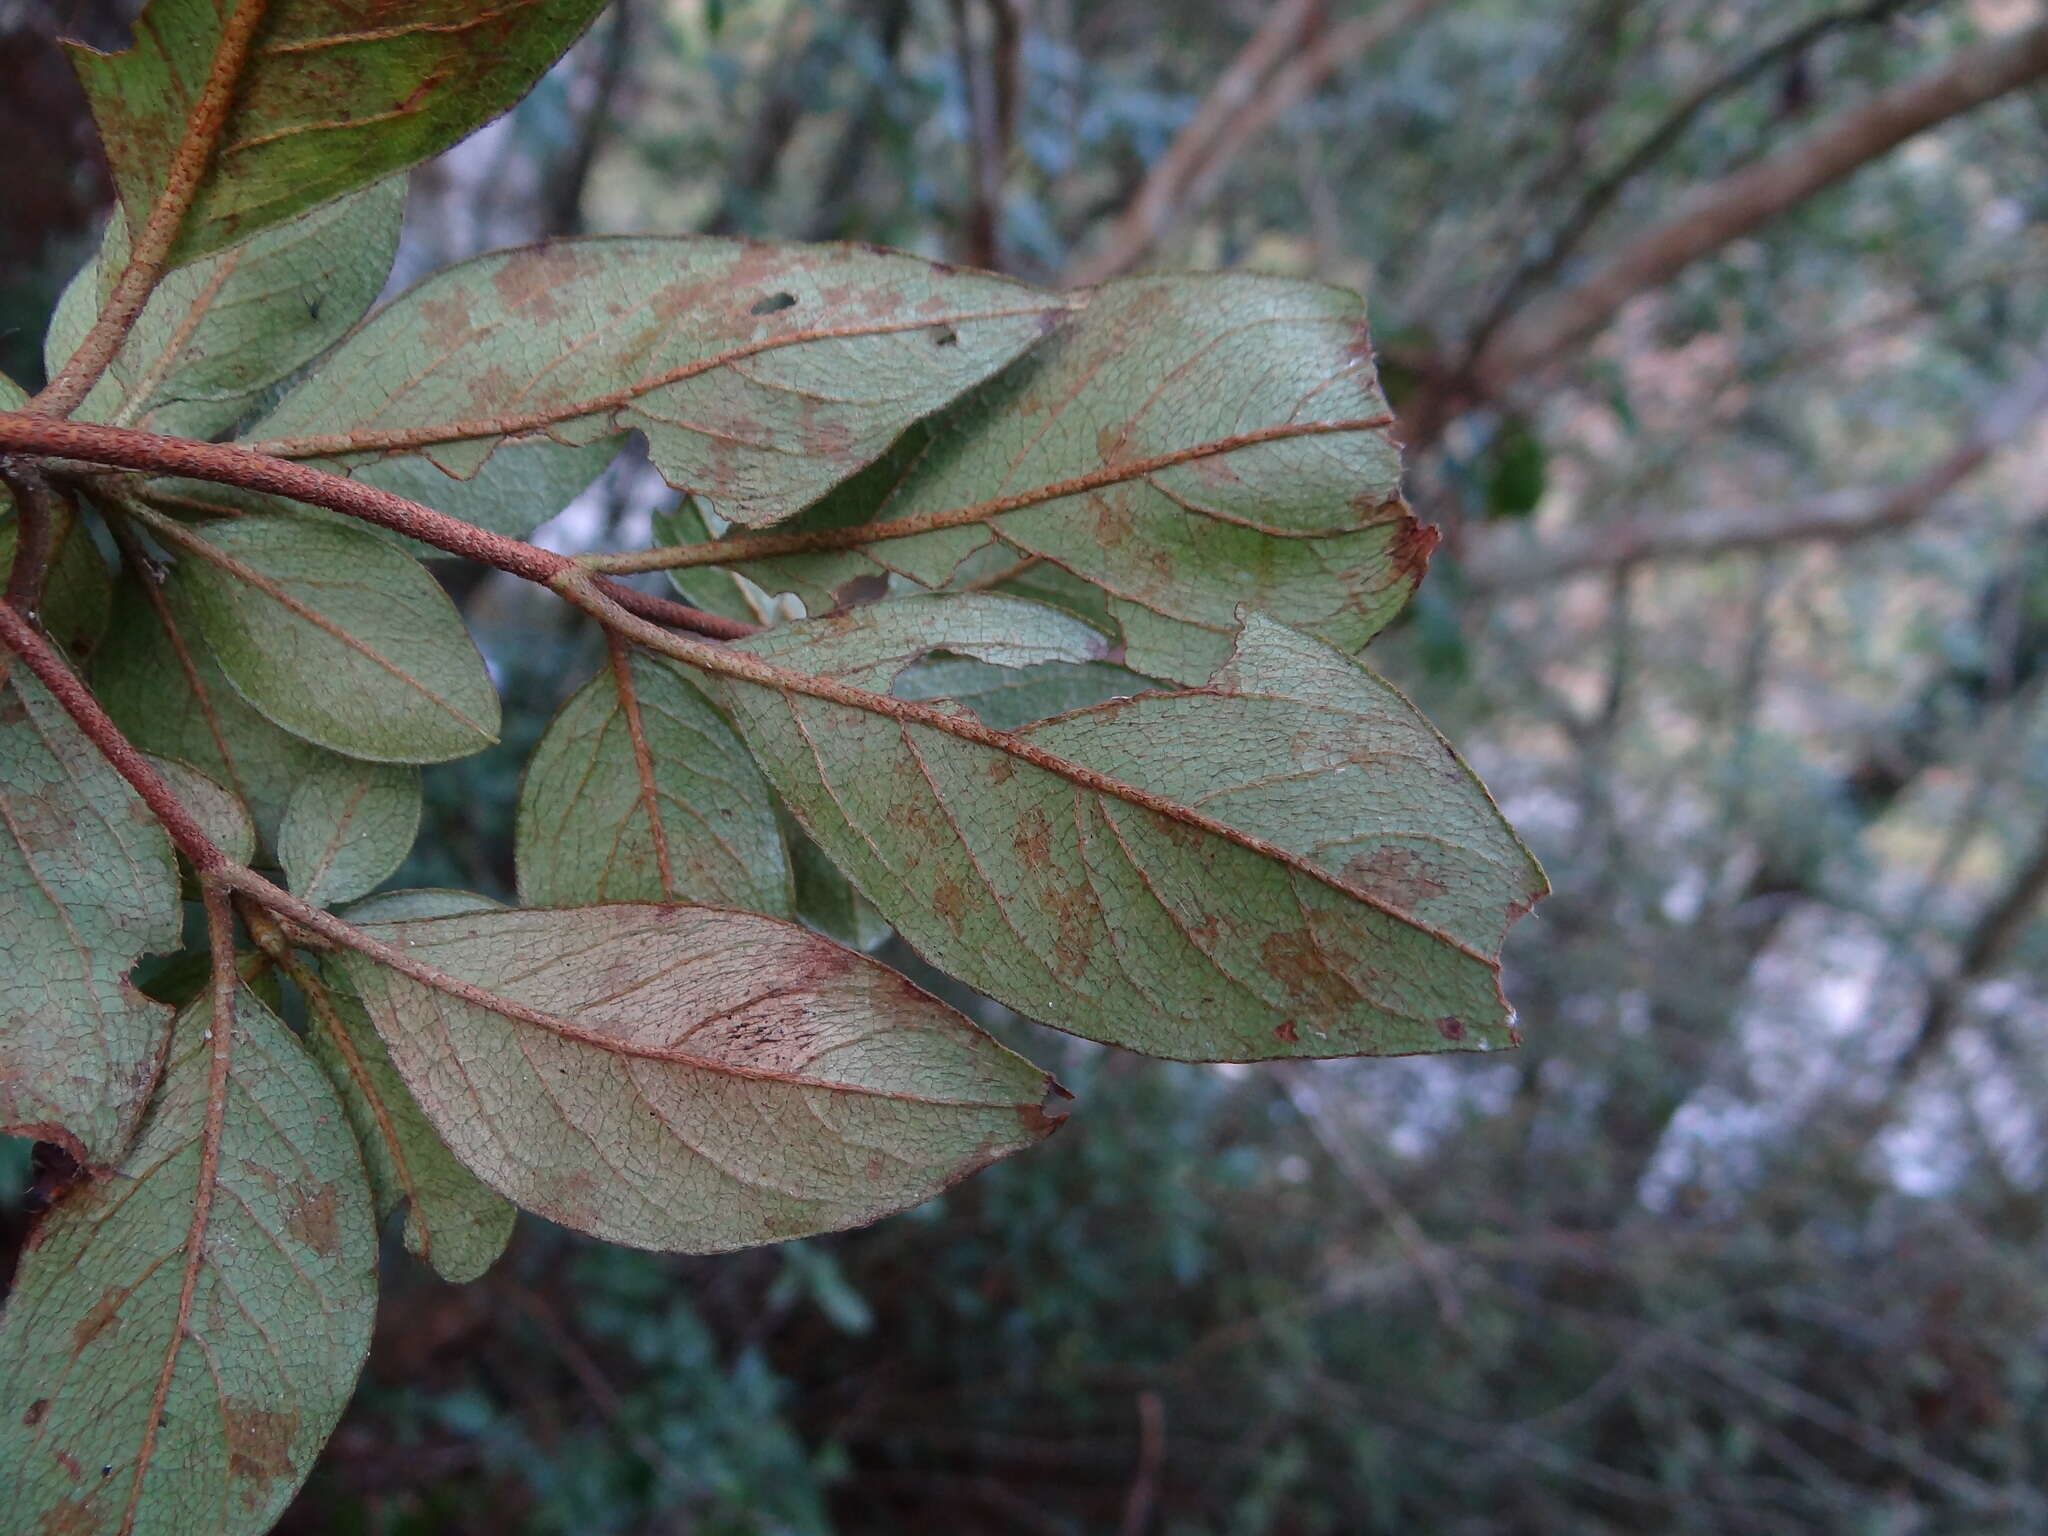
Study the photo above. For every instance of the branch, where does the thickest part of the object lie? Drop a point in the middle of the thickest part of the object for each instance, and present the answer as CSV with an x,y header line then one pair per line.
x,y
226,464
1543,264
40,516
149,255
1836,517
1731,207
1155,208
763,546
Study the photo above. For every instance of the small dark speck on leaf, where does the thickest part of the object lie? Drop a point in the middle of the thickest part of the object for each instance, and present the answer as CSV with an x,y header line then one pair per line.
x,y
946,336
772,303
34,1414
1451,1028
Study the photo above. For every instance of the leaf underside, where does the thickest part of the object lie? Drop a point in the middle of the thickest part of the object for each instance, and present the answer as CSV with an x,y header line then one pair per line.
x,y
717,1079
255,1370
1286,862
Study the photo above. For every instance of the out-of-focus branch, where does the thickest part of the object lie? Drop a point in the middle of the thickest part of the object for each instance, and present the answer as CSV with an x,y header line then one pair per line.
x,y
565,194
1990,943
1514,560
1262,84
989,78
1544,263
1725,210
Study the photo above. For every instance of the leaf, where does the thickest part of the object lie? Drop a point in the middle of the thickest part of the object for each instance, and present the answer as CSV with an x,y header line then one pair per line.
x,y
328,96
195,717
705,1080
78,590
1007,697
339,638
347,830
1292,503
429,901
645,794
215,336
218,810
1288,861
219,1286
704,587
762,408
88,886
452,1222
827,901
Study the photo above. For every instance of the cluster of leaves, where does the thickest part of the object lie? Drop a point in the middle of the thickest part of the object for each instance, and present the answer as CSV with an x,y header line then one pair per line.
x,y
1078,718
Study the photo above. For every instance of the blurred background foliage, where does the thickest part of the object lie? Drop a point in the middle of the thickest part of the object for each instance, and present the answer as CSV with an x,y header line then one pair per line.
x,y
1742,610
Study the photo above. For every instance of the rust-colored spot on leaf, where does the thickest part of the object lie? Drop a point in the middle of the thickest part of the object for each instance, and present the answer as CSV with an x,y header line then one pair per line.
x,y
102,1315
1037,1120
35,1412
309,1216
1412,546
70,1465
1034,839
1451,1028
1396,875
1001,770
259,1442
1287,1032
1292,959
950,902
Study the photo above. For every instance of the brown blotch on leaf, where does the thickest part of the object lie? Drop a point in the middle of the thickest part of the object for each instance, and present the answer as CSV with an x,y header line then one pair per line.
x,y
35,1412
259,1442
1451,1028
309,1216
1396,875
1292,959
1037,1120
950,902
861,589
102,1315
1286,1032
1412,546
1033,841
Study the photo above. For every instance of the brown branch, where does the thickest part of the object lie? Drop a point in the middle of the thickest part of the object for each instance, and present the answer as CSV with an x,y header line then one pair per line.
x,y
1260,86
1544,263
40,517
227,464
1515,561
149,255
762,546
1731,207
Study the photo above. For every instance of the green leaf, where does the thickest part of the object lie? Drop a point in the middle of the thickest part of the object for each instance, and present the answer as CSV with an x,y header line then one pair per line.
x,y
218,809
347,830
87,887
691,1080
761,408
329,96
702,586
218,334
1007,697
827,901
12,396
645,794
1294,507
452,1222
78,592
195,717
428,901
338,637
1288,861
184,1333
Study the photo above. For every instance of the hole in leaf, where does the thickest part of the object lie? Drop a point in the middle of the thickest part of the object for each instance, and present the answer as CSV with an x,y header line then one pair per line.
x,y
946,336
772,303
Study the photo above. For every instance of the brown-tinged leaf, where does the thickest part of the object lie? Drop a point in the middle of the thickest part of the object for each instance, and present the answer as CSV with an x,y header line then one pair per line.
x,y
325,96
691,1079
1288,861
87,887
761,375
643,793
1228,442
184,1333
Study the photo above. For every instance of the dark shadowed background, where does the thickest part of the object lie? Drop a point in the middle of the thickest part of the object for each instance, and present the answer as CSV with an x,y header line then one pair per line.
x,y
1719,333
